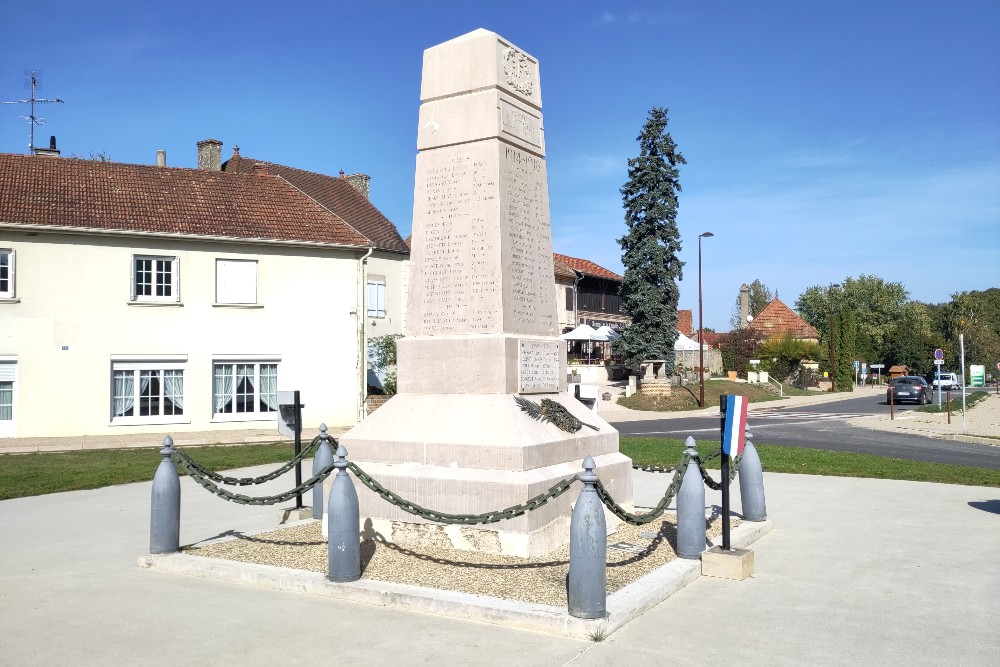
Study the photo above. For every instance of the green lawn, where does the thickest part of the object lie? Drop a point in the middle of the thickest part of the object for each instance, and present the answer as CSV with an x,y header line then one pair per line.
x,y
35,474
776,458
50,472
956,403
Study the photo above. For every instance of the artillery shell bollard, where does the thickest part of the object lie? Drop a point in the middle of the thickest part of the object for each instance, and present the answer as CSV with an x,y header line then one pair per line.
x,y
321,459
344,529
165,513
752,484
691,525
587,589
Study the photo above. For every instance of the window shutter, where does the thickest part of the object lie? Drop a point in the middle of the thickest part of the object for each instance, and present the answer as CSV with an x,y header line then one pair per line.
x,y
131,279
177,279
569,299
381,298
235,281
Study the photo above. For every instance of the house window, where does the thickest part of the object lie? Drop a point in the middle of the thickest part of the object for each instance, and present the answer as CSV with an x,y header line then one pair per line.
x,y
245,390
376,296
147,392
6,273
235,281
155,278
8,372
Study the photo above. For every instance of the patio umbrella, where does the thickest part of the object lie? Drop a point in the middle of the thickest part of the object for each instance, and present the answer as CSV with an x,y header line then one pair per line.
x,y
582,332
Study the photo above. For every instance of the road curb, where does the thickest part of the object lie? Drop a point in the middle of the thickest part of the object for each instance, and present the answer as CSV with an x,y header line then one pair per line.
x,y
623,605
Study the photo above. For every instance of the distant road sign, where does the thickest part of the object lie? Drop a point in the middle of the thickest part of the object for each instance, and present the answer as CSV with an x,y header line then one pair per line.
x,y
998,365
938,362
857,365
878,365
938,354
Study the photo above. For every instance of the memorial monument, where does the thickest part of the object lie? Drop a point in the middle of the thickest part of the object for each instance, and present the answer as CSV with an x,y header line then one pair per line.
x,y
481,325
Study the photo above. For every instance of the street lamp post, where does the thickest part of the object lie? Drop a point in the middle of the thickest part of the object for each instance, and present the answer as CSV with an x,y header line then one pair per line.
x,y
701,331
833,359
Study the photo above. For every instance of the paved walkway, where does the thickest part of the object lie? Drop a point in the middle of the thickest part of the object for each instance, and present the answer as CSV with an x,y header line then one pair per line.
x,y
857,571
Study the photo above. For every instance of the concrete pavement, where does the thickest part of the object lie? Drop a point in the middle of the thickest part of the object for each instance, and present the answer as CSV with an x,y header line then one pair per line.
x,y
856,571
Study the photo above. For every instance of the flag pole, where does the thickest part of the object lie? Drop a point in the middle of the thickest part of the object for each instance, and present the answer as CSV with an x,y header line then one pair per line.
x,y
723,406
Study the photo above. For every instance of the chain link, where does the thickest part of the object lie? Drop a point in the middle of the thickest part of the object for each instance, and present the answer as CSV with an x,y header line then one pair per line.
x,y
656,512
461,519
711,483
241,499
249,481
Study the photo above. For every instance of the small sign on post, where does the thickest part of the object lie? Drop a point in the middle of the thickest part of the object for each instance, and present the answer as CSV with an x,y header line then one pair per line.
x,y
733,423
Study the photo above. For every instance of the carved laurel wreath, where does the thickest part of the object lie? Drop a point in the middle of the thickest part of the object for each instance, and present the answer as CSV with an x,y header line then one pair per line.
x,y
552,412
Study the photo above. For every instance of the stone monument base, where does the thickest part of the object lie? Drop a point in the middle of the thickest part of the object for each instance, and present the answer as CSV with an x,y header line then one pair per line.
x,y
475,453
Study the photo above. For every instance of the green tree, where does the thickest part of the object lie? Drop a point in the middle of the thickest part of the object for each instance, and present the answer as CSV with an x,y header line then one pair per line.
x,y
846,349
975,314
649,290
382,360
759,296
781,356
875,304
738,348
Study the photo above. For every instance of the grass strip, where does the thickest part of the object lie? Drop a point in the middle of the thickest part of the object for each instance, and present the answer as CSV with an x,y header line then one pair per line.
x,y
956,403
804,461
38,473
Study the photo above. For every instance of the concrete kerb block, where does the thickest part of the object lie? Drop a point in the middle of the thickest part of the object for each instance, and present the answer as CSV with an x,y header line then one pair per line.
x,y
623,606
735,564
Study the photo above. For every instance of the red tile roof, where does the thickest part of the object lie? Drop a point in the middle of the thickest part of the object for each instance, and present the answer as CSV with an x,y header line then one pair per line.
x,y
69,193
587,267
561,270
777,319
335,194
684,322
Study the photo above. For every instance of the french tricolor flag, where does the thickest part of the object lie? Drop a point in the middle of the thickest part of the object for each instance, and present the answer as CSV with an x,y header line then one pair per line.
x,y
735,425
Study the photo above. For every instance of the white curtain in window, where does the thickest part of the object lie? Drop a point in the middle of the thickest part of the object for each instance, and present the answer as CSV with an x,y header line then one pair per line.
x,y
173,387
223,388
269,385
124,392
6,401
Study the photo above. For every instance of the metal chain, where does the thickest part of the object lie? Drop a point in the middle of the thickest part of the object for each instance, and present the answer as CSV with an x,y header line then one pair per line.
x,y
210,486
711,483
656,512
652,468
249,481
462,519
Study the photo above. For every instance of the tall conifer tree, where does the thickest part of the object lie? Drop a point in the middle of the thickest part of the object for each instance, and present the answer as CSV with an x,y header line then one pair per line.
x,y
649,291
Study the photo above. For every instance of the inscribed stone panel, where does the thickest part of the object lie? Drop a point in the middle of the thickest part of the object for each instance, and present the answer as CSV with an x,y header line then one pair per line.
x,y
538,366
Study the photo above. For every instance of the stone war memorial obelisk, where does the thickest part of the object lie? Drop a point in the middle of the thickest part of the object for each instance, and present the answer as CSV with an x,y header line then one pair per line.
x,y
481,324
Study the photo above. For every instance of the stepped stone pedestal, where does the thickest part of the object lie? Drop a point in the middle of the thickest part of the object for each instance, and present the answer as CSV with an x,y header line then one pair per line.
x,y
481,324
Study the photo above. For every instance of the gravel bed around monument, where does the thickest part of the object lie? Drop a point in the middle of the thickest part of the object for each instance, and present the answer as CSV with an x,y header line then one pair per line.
x,y
539,580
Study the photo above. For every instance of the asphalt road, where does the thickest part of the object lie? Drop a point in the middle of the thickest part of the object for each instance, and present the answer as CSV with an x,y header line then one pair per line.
x,y
823,426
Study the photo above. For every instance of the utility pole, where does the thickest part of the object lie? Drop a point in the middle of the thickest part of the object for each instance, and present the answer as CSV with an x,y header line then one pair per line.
x,y
31,80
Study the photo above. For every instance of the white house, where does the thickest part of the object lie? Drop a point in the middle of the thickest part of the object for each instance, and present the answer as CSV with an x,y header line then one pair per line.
x,y
145,299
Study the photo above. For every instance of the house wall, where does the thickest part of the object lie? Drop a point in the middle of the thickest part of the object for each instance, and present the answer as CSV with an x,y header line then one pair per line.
x,y
564,297
73,312
395,269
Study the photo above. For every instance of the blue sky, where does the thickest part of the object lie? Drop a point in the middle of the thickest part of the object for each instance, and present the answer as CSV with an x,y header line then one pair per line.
x,y
823,140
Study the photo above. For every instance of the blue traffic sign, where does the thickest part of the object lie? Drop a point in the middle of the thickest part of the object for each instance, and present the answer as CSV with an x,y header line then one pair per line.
x,y
938,354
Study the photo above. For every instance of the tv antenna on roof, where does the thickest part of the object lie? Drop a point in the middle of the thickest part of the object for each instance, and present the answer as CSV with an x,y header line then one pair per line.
x,y
31,77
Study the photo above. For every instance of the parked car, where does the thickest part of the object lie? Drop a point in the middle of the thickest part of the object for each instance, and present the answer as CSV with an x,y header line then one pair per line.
x,y
909,388
947,382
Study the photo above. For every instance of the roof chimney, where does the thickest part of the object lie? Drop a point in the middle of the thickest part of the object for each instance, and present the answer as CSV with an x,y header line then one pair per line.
x,y
744,305
210,155
161,158
51,151
362,183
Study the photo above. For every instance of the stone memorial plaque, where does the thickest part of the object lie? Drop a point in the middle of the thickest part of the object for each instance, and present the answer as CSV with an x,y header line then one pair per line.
x,y
538,366
520,124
